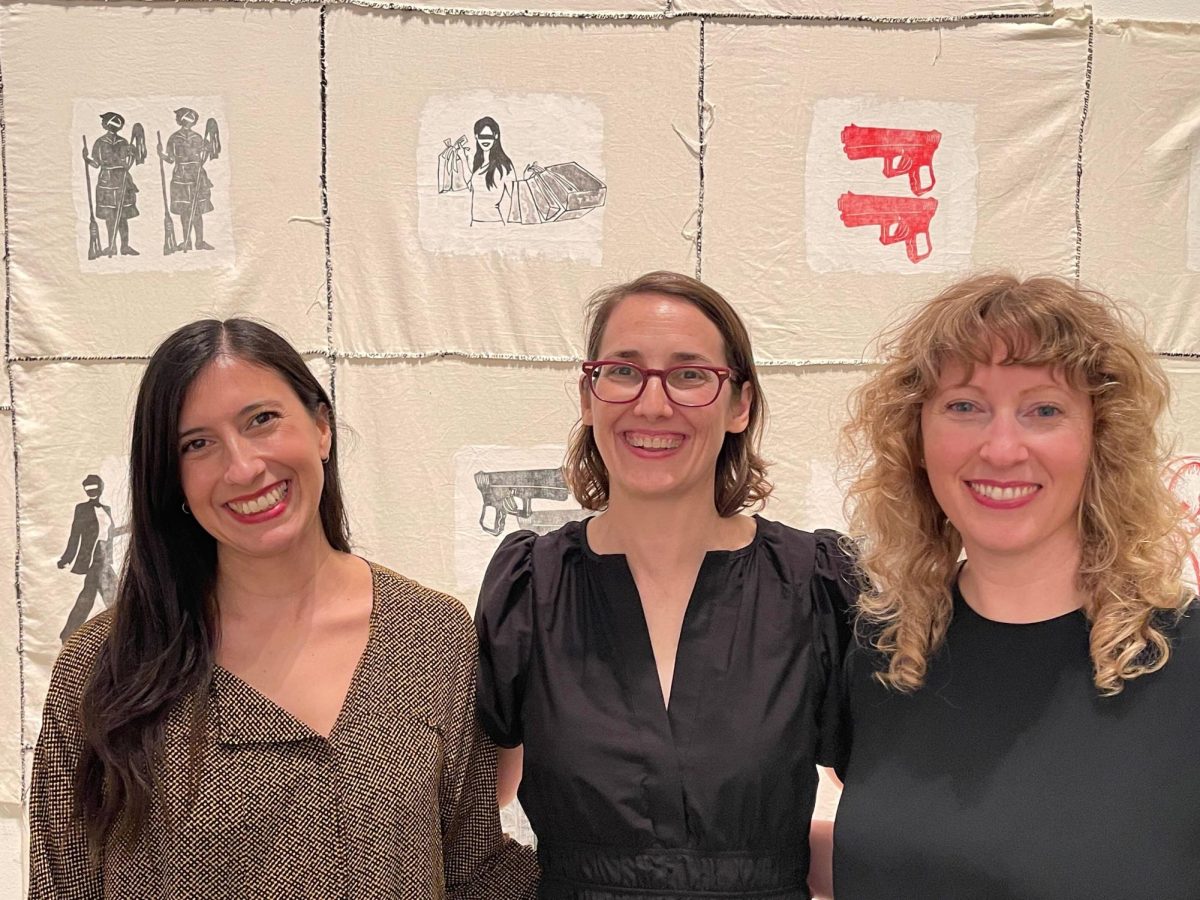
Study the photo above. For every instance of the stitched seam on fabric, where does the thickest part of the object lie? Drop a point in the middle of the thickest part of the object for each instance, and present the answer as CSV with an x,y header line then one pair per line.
x,y
23,736
328,222
1083,118
669,13
700,127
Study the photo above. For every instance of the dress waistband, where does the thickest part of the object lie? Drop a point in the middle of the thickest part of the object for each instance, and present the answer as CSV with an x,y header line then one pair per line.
x,y
590,872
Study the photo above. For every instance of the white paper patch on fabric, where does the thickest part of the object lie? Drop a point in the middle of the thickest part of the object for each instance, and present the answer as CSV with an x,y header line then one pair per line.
x,y
411,493
412,274
1183,473
1140,203
499,490
74,440
518,175
251,150
152,184
890,186
788,143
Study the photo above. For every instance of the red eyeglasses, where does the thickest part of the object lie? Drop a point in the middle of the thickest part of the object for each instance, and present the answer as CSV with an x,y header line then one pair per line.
x,y
619,381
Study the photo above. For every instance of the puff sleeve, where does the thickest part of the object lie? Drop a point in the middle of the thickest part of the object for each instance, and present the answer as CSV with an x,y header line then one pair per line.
x,y
504,624
834,592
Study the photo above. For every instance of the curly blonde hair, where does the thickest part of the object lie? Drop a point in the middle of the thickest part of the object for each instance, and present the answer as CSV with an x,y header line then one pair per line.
x,y
741,481
1133,544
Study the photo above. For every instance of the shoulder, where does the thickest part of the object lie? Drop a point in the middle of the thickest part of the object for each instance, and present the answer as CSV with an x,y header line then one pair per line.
x,y
522,553
76,662
404,602
803,554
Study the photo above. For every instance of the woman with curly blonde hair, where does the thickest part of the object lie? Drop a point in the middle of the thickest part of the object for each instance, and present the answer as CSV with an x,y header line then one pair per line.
x,y
1027,662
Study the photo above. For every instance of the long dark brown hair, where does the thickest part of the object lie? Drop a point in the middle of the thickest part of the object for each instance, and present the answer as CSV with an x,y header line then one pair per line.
x,y
741,478
159,650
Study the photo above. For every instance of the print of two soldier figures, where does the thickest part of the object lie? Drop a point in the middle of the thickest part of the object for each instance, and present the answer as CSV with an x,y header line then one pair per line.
x,y
116,194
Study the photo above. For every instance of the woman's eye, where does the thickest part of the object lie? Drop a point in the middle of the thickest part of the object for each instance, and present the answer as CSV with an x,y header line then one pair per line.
x,y
264,417
1046,410
193,445
960,406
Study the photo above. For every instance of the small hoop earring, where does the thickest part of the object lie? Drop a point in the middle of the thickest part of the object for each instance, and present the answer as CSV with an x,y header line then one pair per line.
x,y
324,460
186,510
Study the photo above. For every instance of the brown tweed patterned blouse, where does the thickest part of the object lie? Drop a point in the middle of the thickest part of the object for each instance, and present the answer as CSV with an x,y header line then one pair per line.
x,y
399,802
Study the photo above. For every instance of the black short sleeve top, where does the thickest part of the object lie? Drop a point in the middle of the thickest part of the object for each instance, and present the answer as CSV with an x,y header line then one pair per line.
x,y
613,779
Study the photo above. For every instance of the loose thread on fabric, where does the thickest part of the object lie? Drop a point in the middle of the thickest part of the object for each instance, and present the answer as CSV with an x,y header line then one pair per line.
x,y
701,130
23,737
325,217
1087,96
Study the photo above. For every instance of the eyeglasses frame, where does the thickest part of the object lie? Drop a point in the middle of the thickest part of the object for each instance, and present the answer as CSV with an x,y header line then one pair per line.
x,y
723,373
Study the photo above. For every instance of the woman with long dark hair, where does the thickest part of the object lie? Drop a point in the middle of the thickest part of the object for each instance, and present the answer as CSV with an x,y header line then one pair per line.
x,y
261,713
492,174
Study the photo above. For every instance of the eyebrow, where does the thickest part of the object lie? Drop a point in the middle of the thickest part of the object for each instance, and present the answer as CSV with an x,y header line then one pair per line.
x,y
682,356
245,410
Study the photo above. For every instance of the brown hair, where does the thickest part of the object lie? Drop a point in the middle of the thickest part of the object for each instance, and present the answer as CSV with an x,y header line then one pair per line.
x,y
1132,543
741,480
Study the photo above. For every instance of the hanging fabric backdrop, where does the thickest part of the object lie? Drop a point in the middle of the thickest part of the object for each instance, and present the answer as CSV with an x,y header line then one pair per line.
x,y
317,166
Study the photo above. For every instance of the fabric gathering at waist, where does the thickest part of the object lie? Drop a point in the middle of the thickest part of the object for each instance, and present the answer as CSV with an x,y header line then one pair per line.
x,y
590,872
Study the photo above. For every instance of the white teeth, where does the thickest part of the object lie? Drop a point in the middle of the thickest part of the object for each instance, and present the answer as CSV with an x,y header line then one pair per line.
x,y
653,443
994,492
258,504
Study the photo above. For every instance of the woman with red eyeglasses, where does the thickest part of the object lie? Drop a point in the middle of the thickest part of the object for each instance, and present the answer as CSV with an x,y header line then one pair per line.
x,y
662,673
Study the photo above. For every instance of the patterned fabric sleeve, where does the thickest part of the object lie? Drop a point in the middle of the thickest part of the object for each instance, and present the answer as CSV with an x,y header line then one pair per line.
x,y
59,867
480,861
504,625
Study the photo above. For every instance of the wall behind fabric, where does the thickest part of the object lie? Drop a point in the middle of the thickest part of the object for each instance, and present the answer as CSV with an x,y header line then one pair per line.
x,y
325,186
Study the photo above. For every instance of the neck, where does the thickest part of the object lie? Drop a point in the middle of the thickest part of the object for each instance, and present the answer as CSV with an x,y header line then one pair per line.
x,y
1038,585
271,587
666,530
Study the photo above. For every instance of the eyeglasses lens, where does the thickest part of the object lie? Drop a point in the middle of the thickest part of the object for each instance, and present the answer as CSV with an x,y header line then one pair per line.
x,y
685,386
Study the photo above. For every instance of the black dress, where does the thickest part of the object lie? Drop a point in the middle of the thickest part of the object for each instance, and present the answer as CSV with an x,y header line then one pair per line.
x,y
711,798
1008,777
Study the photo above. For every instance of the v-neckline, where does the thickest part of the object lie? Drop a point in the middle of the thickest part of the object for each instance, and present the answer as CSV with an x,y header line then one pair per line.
x,y
239,722
635,630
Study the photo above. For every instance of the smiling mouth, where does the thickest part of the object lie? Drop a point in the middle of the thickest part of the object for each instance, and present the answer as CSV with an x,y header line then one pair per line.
x,y
653,441
1003,494
271,497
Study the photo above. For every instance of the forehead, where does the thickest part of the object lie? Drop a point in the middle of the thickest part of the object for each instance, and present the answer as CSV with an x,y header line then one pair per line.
x,y
226,385
999,377
651,323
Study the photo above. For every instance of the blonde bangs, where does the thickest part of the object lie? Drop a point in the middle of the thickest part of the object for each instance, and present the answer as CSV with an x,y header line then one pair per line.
x,y
1131,530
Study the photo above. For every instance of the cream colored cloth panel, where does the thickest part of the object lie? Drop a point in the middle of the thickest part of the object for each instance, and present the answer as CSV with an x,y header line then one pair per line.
x,y
419,432
265,179
490,288
74,423
808,409
10,680
813,289
890,10
1141,176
